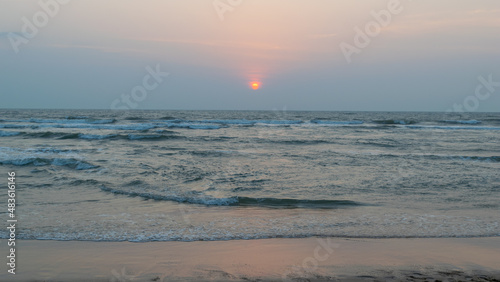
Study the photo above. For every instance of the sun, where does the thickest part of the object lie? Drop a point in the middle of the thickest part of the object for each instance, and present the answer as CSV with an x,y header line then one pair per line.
x,y
255,85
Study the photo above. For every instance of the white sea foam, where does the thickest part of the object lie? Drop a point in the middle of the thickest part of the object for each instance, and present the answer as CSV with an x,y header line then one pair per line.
x,y
43,157
96,136
248,178
334,122
463,121
452,127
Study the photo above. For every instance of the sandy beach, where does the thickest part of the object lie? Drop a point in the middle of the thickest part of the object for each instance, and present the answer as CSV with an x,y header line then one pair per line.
x,y
309,259
257,140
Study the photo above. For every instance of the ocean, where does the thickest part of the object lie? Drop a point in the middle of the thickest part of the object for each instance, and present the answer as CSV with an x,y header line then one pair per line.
x,y
144,176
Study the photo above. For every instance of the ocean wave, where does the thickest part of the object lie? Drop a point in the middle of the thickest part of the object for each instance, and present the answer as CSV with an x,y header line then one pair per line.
x,y
294,203
494,159
335,122
279,122
300,142
375,144
18,126
47,134
164,131
68,120
462,121
215,124
392,121
8,151
43,157
151,137
96,136
8,133
36,161
212,153
452,127
487,159
191,126
77,117
167,118
275,122
250,122
240,201
91,182
121,136
162,135
492,120
233,121
112,136
70,136
133,118
137,126
162,128
230,121
218,122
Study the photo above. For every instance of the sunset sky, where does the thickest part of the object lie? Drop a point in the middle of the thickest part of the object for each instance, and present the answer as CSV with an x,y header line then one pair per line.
x,y
428,57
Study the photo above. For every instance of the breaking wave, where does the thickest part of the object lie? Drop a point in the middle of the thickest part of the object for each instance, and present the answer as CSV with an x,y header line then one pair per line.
x,y
70,162
240,201
462,121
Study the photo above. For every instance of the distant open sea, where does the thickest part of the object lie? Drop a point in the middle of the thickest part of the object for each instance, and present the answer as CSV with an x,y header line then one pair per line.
x,y
228,175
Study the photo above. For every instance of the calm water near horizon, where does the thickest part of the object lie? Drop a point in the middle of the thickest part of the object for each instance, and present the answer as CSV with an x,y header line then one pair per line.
x,y
225,175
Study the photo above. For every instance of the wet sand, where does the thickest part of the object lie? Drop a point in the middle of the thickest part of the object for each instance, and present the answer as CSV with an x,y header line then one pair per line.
x,y
309,259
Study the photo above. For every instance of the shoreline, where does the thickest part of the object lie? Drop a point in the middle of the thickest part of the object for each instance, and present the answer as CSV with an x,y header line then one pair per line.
x,y
297,259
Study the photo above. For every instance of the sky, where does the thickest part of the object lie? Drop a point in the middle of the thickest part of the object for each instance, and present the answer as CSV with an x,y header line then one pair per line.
x,y
351,55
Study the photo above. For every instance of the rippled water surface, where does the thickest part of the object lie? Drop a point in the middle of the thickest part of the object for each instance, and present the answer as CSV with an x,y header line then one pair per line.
x,y
222,175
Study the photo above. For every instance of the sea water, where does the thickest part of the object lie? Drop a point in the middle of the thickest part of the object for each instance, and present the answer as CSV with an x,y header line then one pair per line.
x,y
228,175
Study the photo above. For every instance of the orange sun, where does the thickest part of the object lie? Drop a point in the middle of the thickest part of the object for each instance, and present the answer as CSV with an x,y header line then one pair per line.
x,y
255,85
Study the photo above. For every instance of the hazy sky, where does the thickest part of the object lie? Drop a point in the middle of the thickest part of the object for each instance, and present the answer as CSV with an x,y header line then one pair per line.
x,y
400,56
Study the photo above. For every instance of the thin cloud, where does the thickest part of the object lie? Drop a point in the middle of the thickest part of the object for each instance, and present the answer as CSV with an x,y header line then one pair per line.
x,y
436,22
323,35
99,48
215,43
